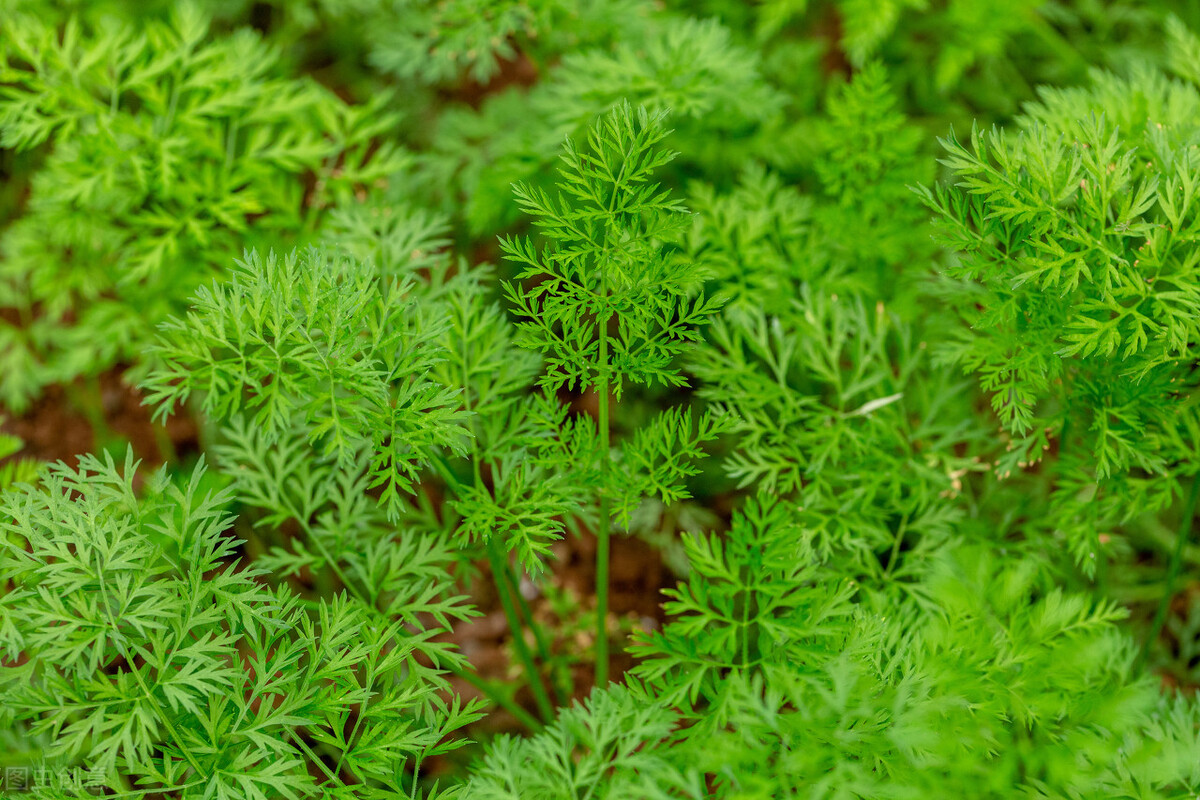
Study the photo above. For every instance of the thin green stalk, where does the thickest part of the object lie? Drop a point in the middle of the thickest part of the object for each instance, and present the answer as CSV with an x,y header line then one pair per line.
x,y
499,568
539,635
314,758
514,623
524,717
323,583
1164,602
745,632
332,563
506,585
891,567
443,468
158,790
506,588
137,676
508,705
165,719
602,534
362,714
89,402
166,447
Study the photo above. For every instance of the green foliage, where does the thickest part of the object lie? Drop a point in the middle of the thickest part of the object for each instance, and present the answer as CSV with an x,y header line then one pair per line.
x,y
310,339
524,445
157,660
834,404
753,597
436,42
854,230
870,152
689,67
165,153
597,748
797,694
607,263
755,239
1079,290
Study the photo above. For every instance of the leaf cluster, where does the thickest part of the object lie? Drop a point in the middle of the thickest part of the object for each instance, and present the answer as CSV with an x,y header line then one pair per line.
x,y
162,153
150,653
920,506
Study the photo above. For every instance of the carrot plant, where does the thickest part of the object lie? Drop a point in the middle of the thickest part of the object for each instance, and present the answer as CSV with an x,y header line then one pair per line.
x,y
599,399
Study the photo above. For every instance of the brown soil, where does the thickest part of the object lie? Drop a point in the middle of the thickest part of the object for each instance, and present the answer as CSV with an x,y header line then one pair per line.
x,y
637,578
517,71
55,429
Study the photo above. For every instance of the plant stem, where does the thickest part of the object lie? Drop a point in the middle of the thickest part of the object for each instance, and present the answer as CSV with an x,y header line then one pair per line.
x,y
315,759
165,719
499,572
524,717
745,632
543,646
891,567
1164,602
508,705
89,402
602,532
162,440
362,714
506,585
